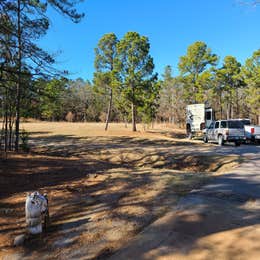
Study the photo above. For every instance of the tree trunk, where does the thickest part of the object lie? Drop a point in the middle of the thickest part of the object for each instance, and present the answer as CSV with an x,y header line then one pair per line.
x,y
6,129
220,104
18,88
125,120
109,109
228,110
229,107
133,109
133,117
237,104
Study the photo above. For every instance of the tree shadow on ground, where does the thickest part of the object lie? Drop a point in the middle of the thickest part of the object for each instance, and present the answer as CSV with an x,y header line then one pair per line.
x,y
69,145
19,174
87,205
99,208
203,213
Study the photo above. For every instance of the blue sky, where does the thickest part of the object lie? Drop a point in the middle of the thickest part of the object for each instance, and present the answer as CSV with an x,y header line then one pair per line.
x,y
227,26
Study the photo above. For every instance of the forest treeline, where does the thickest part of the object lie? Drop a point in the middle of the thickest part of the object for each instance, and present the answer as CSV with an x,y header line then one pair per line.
x,y
231,88
22,60
125,87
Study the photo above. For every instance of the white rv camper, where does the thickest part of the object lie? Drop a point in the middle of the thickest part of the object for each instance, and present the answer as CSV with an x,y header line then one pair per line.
x,y
198,117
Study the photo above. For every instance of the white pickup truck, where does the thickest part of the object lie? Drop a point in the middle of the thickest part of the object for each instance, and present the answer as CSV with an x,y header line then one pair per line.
x,y
252,132
223,131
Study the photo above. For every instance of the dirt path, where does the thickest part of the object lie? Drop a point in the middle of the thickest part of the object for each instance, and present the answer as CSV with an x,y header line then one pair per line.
x,y
219,221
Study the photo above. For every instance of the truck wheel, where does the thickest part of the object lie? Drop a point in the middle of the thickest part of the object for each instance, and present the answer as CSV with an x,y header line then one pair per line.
x,y
237,143
188,131
205,139
189,136
220,140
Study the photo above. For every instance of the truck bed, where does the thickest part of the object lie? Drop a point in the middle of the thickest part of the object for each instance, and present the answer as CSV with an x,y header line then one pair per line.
x,y
252,132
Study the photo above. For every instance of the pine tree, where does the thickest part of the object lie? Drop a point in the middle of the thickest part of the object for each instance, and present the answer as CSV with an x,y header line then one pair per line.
x,y
134,66
104,64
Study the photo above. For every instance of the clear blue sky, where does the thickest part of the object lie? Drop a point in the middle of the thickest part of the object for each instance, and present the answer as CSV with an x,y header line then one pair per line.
x,y
227,27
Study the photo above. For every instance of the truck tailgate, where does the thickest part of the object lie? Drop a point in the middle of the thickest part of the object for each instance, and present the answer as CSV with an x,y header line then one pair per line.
x,y
257,132
236,132
257,129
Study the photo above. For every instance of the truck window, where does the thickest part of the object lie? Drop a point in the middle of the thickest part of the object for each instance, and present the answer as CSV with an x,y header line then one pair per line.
x,y
208,115
211,125
246,122
235,124
223,124
217,125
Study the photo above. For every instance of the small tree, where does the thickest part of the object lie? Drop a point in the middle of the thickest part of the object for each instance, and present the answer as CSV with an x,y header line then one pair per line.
x,y
134,66
167,96
150,102
104,64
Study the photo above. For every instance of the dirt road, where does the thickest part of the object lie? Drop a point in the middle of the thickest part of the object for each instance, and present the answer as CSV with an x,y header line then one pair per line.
x,y
221,220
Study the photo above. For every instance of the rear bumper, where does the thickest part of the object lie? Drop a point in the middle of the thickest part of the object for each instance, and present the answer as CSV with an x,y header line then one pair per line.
x,y
235,138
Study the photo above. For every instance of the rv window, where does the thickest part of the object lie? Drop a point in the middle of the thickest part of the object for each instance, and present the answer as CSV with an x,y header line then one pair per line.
x,y
223,124
208,115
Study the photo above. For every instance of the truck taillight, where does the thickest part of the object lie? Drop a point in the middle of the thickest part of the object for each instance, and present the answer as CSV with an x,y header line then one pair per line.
x,y
202,126
252,130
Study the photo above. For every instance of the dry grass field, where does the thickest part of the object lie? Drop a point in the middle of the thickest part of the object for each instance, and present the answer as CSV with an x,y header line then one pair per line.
x,y
103,187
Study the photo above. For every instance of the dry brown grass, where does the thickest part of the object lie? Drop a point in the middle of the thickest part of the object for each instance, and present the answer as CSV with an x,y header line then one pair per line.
x,y
104,187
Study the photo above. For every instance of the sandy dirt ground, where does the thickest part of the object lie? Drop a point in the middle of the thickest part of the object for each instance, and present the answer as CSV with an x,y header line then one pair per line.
x,y
220,220
103,187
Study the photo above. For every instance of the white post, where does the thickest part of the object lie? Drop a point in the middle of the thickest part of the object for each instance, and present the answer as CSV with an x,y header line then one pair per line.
x,y
36,207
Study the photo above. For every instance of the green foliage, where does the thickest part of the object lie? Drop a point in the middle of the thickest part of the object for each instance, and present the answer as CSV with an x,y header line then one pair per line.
x,y
230,79
51,99
150,102
133,63
251,73
105,55
251,70
198,58
57,98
